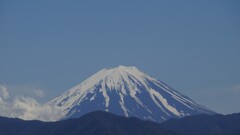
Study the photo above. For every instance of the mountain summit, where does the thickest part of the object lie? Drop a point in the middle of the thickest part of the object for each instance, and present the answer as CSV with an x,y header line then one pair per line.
x,y
128,92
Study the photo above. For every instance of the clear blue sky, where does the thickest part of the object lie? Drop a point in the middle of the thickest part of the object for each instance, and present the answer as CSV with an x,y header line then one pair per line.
x,y
194,46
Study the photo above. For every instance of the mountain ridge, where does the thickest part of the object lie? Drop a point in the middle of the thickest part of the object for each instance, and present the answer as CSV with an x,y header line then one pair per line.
x,y
202,124
105,123
94,123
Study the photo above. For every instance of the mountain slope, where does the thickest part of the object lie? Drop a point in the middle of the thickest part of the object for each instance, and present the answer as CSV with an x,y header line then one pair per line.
x,y
95,123
205,125
128,92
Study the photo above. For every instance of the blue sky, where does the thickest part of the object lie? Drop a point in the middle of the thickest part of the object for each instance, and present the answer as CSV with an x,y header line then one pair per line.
x,y
193,46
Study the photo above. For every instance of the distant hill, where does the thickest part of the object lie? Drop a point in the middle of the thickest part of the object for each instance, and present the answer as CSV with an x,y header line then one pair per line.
x,y
205,125
95,123
104,123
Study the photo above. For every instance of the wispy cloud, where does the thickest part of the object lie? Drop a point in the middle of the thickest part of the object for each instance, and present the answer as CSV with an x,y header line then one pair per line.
x,y
236,87
220,99
3,93
26,108
38,93
23,90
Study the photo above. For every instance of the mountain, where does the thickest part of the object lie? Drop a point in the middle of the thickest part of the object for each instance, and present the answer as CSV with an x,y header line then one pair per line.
x,y
95,123
205,125
128,92
105,123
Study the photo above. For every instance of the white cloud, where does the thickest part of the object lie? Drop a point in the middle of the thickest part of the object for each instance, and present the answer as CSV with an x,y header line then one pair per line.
x,y
33,91
26,108
3,92
38,93
236,87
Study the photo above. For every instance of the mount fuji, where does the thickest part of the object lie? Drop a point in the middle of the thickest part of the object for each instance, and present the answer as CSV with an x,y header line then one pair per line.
x,y
128,92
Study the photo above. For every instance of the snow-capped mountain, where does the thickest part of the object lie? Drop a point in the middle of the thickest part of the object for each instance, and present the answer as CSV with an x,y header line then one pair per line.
x,y
129,92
